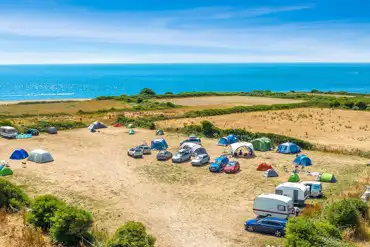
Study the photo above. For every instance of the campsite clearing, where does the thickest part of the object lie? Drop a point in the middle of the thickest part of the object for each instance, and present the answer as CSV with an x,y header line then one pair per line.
x,y
334,128
181,205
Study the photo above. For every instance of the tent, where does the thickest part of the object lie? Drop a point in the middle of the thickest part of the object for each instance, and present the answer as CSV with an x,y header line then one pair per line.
x,y
52,130
197,150
263,167
40,156
226,141
33,132
117,125
270,173
159,144
159,132
131,125
5,171
294,178
303,160
328,178
96,125
188,145
23,136
242,149
131,132
288,148
262,144
19,154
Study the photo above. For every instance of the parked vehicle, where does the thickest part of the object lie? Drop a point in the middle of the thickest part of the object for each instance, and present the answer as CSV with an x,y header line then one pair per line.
x,y
181,156
135,152
164,155
192,139
219,164
267,225
146,149
8,132
315,188
297,191
272,205
232,167
200,160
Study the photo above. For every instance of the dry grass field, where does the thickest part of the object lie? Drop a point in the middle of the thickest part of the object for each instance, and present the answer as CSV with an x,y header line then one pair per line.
x,y
181,205
335,128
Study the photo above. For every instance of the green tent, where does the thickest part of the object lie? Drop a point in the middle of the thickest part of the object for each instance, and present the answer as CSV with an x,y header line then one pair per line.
x,y
294,178
327,178
131,132
159,132
262,144
6,172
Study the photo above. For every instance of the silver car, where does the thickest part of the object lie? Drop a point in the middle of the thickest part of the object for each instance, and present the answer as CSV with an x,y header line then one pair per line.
x,y
200,160
146,149
181,156
164,155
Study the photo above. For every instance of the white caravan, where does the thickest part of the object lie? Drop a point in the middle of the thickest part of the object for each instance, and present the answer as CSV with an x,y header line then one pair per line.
x,y
274,206
297,191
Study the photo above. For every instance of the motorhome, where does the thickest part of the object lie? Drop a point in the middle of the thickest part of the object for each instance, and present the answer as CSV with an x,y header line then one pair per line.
x,y
274,206
8,132
297,191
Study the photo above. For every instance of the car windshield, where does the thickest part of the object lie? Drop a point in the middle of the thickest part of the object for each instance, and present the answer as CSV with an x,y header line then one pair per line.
x,y
231,164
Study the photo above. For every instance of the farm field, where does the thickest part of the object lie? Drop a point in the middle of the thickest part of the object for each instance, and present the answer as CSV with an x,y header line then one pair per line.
x,y
336,129
181,205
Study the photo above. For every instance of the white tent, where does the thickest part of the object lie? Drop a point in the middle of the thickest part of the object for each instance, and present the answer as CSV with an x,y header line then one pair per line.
x,y
188,145
242,149
40,156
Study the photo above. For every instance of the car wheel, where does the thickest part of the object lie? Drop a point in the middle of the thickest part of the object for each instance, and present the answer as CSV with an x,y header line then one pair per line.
x,y
278,234
250,229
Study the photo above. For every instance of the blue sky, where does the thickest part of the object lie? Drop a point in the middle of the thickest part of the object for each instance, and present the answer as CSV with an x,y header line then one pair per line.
x,y
183,31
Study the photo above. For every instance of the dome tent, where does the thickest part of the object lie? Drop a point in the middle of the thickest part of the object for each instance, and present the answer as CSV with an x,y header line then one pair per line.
x,y
270,173
294,178
33,132
242,149
262,144
303,160
159,144
197,150
97,125
327,178
228,140
288,148
19,154
40,156
131,132
159,132
263,167
52,130
117,125
5,171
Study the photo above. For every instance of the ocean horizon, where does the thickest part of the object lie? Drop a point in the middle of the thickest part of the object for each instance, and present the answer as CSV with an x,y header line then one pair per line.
x,y
74,81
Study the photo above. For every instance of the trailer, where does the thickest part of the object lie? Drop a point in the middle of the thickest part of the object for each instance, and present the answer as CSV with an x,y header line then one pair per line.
x,y
297,191
272,205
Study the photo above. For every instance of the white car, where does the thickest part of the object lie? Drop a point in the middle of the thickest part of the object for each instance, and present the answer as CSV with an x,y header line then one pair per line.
x,y
135,152
8,132
200,160
181,156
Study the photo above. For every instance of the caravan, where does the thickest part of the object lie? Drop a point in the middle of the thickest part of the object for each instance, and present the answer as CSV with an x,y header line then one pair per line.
x,y
298,192
273,205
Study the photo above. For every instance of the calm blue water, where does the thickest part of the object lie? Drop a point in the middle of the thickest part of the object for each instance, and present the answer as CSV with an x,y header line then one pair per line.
x,y
30,82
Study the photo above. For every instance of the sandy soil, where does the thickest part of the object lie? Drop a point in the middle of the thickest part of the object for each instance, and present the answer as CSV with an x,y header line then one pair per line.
x,y
228,101
181,205
336,128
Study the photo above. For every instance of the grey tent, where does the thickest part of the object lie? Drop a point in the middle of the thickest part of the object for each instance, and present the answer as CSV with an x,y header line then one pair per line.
x,y
271,173
96,125
52,130
40,156
197,150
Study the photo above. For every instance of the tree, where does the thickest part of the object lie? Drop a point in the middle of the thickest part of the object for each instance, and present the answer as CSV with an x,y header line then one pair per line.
x,y
208,128
147,92
168,93
132,234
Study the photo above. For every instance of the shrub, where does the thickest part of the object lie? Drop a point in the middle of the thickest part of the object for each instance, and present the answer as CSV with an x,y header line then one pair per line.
x,y
11,196
43,210
169,93
361,105
147,91
334,104
132,234
342,213
60,125
139,100
70,225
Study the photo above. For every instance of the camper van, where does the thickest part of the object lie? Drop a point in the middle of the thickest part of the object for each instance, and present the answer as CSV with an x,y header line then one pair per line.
x,y
315,188
273,205
297,191
8,132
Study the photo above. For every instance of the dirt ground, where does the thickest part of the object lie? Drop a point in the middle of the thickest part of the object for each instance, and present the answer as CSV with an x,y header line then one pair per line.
x,y
336,128
181,205
228,101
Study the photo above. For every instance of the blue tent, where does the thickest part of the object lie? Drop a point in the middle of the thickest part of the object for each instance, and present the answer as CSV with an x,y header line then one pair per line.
x,y
288,148
19,154
226,141
303,160
159,144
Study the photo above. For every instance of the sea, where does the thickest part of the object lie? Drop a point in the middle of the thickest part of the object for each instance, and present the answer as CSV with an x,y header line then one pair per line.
x,y
41,82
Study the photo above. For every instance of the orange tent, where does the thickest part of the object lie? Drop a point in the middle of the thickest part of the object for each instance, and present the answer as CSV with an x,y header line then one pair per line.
x,y
117,125
264,167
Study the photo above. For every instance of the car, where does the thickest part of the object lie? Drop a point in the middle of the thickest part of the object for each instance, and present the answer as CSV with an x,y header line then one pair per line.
x,y
8,132
135,152
181,156
200,160
267,225
146,149
232,167
192,139
219,164
164,155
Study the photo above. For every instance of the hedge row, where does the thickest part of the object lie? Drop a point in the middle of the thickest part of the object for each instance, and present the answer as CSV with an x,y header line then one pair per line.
x,y
59,125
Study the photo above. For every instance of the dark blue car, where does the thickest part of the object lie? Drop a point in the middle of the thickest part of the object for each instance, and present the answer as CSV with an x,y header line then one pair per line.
x,y
219,164
267,225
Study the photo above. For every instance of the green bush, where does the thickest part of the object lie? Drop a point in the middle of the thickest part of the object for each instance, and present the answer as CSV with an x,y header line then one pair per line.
x,y
43,210
147,92
11,196
138,122
43,126
70,225
361,105
132,234
343,213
